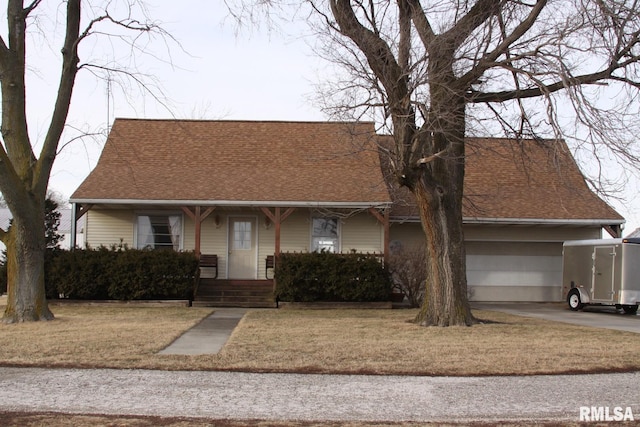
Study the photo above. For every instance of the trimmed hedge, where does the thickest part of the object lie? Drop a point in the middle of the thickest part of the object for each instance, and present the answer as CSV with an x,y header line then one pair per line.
x,y
325,276
121,274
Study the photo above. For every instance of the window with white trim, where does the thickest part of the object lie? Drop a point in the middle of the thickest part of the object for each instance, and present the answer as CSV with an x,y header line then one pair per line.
x,y
159,232
324,235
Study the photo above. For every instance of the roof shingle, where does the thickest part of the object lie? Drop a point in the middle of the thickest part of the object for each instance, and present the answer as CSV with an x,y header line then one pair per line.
x,y
237,161
519,180
326,162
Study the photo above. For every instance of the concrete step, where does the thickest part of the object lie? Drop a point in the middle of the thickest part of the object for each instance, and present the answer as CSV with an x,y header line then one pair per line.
x,y
247,304
233,292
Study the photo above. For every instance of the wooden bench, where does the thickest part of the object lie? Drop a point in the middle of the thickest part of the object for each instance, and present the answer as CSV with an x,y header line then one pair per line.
x,y
269,263
209,261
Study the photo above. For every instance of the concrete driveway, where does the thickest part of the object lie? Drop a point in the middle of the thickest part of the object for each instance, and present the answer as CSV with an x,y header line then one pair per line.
x,y
596,317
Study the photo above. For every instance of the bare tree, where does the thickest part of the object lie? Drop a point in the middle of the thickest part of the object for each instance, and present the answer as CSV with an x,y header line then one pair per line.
x,y
434,72
24,176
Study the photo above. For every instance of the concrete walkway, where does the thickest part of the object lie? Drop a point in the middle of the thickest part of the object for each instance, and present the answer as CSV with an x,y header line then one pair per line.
x,y
208,336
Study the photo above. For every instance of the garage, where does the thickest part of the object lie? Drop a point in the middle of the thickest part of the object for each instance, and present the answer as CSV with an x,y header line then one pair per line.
x,y
514,271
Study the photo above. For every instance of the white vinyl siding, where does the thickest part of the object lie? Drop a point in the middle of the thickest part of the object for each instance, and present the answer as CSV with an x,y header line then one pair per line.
x,y
295,232
528,233
266,243
362,233
108,227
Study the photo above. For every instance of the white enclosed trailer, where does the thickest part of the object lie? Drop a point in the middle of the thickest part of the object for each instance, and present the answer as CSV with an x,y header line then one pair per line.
x,y
602,272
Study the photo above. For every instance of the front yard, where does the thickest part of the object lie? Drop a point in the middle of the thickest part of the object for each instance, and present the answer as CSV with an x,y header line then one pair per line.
x,y
327,341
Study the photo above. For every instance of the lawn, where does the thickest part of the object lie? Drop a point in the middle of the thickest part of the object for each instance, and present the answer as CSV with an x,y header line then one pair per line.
x,y
327,341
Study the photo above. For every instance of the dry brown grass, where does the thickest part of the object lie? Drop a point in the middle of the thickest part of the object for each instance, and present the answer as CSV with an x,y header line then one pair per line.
x,y
96,336
327,341
385,342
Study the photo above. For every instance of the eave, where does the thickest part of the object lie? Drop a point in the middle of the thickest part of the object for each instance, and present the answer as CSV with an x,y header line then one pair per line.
x,y
524,221
236,203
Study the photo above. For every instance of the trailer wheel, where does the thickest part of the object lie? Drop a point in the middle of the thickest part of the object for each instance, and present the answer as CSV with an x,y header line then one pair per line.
x,y
630,309
574,301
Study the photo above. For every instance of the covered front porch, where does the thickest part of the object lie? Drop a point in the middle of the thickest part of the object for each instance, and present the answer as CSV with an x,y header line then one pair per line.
x,y
238,245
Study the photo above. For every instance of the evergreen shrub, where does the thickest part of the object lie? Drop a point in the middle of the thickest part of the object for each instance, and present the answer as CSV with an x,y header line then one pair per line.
x,y
325,276
120,273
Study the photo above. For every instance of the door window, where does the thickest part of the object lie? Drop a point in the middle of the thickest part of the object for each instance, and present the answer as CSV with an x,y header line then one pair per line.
x,y
242,235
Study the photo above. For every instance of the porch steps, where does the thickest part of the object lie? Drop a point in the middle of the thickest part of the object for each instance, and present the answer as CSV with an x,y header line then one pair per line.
x,y
234,293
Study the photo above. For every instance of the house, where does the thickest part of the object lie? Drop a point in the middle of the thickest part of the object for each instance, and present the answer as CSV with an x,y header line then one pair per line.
x,y
242,191
246,190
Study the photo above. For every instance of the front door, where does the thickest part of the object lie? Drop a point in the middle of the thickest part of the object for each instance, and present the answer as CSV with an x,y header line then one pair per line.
x,y
242,248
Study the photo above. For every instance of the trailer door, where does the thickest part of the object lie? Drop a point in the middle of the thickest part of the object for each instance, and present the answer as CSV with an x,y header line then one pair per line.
x,y
603,273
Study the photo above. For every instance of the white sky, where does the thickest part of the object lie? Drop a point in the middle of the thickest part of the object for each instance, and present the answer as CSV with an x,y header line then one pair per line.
x,y
258,76
255,76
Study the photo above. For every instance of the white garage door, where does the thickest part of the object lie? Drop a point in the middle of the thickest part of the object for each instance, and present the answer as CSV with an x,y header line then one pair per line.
x,y
514,271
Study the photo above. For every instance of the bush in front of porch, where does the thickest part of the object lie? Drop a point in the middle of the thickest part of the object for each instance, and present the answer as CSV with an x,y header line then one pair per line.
x,y
325,276
120,273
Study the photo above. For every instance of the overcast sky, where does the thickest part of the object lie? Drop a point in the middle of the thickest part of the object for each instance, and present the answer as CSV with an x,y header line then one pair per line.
x,y
256,75
222,75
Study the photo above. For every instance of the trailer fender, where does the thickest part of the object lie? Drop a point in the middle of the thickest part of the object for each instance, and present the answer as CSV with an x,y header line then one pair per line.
x,y
584,295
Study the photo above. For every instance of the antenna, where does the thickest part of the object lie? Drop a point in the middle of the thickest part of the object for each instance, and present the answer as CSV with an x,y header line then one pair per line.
x,y
108,103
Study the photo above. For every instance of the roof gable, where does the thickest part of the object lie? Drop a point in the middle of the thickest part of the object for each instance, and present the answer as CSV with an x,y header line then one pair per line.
x,y
184,160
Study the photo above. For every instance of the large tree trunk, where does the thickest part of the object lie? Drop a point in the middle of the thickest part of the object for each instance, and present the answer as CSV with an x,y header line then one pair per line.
x,y
26,298
446,302
438,189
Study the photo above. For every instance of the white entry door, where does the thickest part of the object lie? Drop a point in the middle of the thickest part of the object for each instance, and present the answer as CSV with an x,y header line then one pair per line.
x,y
242,248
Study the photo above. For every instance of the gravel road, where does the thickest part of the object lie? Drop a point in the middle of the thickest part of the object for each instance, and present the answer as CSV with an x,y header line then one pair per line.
x,y
233,395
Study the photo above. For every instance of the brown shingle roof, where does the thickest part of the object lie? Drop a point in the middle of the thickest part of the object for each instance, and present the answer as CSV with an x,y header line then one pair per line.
x,y
326,162
520,180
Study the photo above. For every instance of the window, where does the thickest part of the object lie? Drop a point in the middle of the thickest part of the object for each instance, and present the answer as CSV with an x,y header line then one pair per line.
x,y
159,232
324,235
242,235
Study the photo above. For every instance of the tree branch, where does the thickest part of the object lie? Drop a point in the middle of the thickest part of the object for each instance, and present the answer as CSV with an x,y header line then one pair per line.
x,y
14,123
404,46
542,89
488,60
378,54
63,100
477,15
423,27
